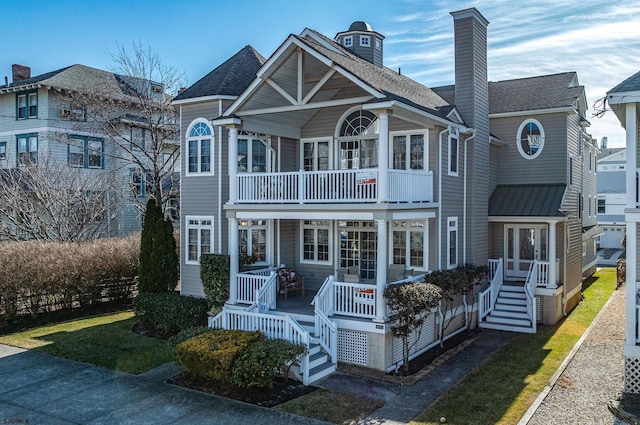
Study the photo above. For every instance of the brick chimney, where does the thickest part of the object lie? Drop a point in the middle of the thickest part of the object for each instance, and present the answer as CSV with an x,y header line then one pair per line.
x,y
472,101
20,72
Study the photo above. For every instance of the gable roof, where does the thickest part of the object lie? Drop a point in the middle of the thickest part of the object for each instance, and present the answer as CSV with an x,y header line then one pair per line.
x,y
230,78
33,80
605,154
393,85
528,94
630,84
542,200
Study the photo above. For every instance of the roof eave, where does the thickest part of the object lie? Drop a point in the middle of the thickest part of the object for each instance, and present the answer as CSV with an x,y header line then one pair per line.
x,y
533,112
203,99
391,104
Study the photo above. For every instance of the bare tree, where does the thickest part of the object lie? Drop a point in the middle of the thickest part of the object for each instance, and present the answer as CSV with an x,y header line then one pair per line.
x,y
55,202
132,108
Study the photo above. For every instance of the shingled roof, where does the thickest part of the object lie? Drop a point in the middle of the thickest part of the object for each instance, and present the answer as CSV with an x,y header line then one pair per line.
x,y
33,80
526,94
394,85
630,84
229,79
527,200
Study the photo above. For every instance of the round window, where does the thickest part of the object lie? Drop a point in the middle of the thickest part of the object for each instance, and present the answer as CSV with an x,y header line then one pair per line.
x,y
530,139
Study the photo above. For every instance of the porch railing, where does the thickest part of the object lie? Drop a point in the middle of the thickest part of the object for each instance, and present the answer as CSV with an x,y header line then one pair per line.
x,y
487,298
250,282
354,299
334,186
542,277
274,327
265,298
325,330
529,290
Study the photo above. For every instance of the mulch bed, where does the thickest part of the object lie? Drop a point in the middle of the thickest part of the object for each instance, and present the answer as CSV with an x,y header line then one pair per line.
x,y
267,397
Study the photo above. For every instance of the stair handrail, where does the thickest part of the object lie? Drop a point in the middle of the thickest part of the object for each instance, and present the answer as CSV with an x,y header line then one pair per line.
x,y
325,329
265,298
529,290
487,298
323,300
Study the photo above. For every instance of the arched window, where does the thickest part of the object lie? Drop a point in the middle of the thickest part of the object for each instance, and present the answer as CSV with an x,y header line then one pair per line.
x,y
530,139
199,148
358,134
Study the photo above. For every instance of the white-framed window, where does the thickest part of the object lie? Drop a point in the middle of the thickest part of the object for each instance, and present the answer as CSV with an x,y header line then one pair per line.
x,y
254,155
85,152
378,44
253,239
452,242
570,170
589,205
590,160
137,183
347,41
602,206
365,40
27,148
199,237
315,241
408,150
530,139
316,154
358,140
199,148
454,142
409,243
3,151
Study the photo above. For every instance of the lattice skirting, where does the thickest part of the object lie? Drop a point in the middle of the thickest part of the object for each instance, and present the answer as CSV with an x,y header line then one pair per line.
x,y
353,347
632,375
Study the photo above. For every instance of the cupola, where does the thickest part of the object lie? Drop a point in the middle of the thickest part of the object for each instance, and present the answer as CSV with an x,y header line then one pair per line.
x,y
363,41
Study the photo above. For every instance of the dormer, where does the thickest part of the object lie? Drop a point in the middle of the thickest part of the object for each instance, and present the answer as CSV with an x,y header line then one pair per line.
x,y
363,41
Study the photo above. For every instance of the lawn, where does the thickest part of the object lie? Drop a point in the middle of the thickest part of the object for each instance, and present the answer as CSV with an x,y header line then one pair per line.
x,y
501,391
105,340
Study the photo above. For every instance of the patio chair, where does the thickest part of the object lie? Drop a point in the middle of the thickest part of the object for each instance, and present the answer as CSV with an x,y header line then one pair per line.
x,y
290,280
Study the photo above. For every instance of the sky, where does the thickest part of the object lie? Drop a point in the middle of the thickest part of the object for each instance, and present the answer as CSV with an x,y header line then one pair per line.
x,y
598,39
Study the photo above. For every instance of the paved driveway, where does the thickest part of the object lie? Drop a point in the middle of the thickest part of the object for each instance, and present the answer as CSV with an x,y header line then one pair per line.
x,y
39,389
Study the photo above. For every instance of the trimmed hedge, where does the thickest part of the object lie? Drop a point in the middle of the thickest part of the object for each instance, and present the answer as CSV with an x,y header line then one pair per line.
x,y
169,311
186,334
211,354
39,277
214,273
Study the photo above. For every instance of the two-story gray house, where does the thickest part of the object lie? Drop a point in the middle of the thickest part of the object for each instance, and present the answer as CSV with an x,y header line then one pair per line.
x,y
40,121
321,161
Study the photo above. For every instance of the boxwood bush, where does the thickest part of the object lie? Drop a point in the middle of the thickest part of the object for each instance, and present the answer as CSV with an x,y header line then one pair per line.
x,y
169,311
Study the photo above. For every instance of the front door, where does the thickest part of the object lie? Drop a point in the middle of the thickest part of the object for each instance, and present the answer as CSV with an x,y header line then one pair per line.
x,y
524,244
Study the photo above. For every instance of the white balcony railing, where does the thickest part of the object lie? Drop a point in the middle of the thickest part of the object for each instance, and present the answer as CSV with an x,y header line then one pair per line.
x,y
334,186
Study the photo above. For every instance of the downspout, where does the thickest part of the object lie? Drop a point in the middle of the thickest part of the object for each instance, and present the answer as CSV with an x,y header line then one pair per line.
x,y
220,201
464,201
440,198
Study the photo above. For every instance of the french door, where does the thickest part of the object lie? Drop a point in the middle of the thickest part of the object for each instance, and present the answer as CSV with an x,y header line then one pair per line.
x,y
523,245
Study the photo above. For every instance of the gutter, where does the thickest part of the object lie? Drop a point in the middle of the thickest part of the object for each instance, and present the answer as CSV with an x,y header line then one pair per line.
x,y
464,200
446,130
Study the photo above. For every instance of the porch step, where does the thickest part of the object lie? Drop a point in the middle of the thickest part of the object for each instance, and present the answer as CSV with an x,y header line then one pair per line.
x,y
509,328
509,312
515,307
491,318
321,371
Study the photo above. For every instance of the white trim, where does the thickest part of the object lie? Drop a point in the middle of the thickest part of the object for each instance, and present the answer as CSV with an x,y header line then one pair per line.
x,y
425,146
312,34
407,230
314,105
623,97
199,227
315,228
453,134
452,228
519,141
533,112
268,232
396,104
315,141
199,139
203,99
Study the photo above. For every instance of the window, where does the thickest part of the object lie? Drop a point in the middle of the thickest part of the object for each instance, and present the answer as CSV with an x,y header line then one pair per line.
x,y
315,241
570,170
199,238
589,205
452,242
602,207
408,243
86,152
580,205
584,249
408,152
315,155
347,41
27,105
378,44
530,139
199,148
254,156
590,160
3,151
365,40
253,239
453,151
137,183
137,138
27,149
359,144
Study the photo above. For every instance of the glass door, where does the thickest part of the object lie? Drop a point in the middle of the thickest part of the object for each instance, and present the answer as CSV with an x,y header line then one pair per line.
x,y
523,245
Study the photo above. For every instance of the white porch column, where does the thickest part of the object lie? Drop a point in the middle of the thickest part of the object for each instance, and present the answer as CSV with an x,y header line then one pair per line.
x,y
233,260
552,282
233,164
381,271
383,156
632,253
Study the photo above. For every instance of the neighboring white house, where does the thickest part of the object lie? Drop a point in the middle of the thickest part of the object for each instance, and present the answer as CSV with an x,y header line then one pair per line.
x,y
612,196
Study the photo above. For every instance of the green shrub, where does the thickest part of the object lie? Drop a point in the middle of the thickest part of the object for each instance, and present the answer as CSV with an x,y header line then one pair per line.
x,y
169,311
263,361
158,258
211,354
214,273
186,334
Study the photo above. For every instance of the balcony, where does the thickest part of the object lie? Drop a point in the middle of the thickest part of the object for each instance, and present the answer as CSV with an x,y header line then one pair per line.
x,y
334,186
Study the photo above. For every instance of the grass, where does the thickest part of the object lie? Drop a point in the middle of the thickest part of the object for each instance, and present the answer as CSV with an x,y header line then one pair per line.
x,y
330,406
105,340
501,391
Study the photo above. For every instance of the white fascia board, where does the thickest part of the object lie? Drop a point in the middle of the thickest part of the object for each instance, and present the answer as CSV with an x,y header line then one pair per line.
x,y
533,112
304,215
623,97
203,99
531,219
312,34
397,104
227,121
20,88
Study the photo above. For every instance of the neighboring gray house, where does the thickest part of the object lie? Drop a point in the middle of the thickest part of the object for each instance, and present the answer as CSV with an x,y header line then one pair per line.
x,y
321,159
612,196
38,120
